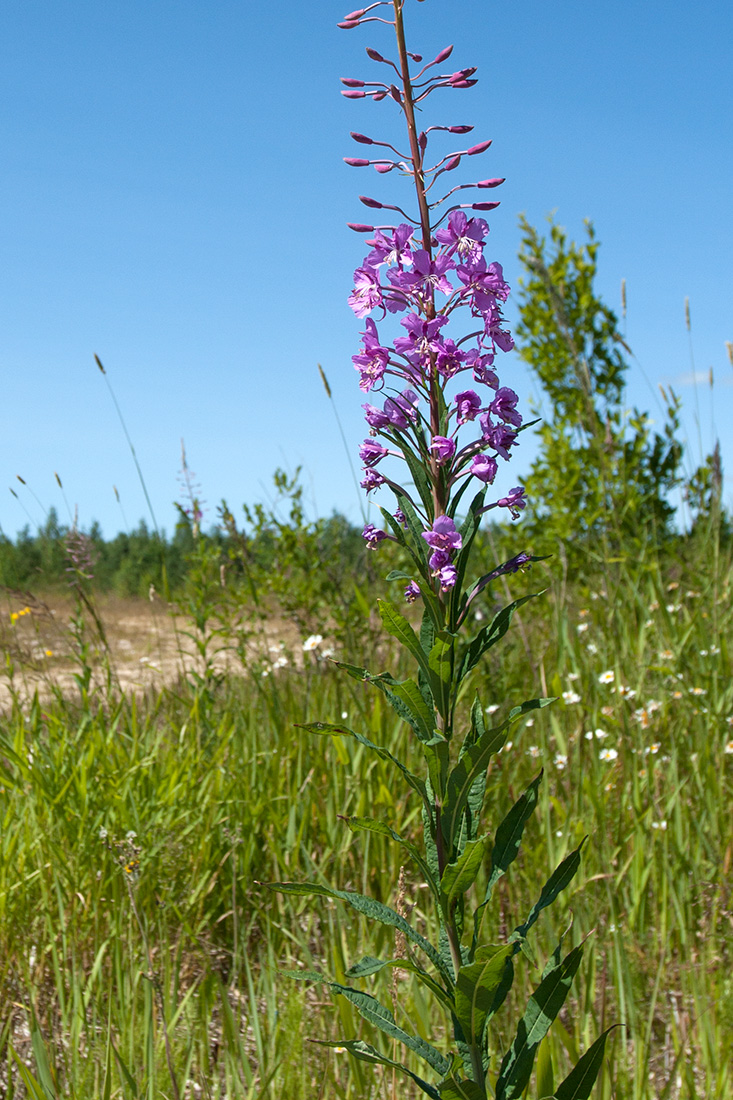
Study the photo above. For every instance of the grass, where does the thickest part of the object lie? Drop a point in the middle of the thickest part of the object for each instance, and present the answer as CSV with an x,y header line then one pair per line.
x,y
140,956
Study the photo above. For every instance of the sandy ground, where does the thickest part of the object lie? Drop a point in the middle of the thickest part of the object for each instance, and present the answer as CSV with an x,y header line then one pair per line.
x,y
149,645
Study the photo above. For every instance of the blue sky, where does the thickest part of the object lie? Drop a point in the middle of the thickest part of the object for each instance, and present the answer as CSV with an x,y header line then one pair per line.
x,y
173,198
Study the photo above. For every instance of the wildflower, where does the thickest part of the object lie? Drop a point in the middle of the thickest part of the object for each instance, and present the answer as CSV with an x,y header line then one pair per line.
x,y
444,535
666,655
510,745
48,653
608,754
344,715
599,735
607,712
312,642
103,833
583,613
592,648
570,697
560,761
697,691
659,825
529,722
652,749
572,676
582,627
607,677
728,750
627,692
534,751
412,591
492,709
673,607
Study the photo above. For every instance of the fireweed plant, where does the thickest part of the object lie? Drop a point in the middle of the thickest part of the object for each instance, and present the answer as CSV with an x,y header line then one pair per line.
x,y
442,410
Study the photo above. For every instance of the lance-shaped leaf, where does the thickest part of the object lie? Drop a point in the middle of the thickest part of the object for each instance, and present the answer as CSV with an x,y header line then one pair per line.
x,y
561,877
473,762
476,988
490,635
506,845
580,1081
380,1016
453,1089
542,1008
440,661
364,1052
395,623
412,703
375,910
332,730
369,965
460,876
369,825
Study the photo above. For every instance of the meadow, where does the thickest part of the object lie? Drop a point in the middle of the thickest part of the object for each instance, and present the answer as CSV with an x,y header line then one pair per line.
x,y
140,954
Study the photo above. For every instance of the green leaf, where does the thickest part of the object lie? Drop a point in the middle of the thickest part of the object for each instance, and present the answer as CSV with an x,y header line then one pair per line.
x,y
490,635
545,1080
581,1079
561,877
460,876
476,988
380,1016
369,965
506,844
397,625
421,716
440,661
32,1085
364,1052
368,907
452,1089
369,825
332,729
473,763
542,1008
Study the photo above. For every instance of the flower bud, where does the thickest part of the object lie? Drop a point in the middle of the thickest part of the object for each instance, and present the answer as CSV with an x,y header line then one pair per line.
x,y
362,138
354,95
373,54
422,141
480,148
377,96
416,57
382,167
348,24
484,205
359,228
354,15
350,82
356,162
394,92
372,203
452,163
459,129
490,183
443,55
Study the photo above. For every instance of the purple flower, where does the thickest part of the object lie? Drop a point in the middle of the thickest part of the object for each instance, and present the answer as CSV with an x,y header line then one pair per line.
x,y
504,406
412,591
422,334
447,576
515,502
371,452
375,418
373,536
443,535
401,518
401,409
444,449
394,251
468,405
449,358
484,467
498,436
366,295
482,368
438,559
464,236
426,275
372,480
373,359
